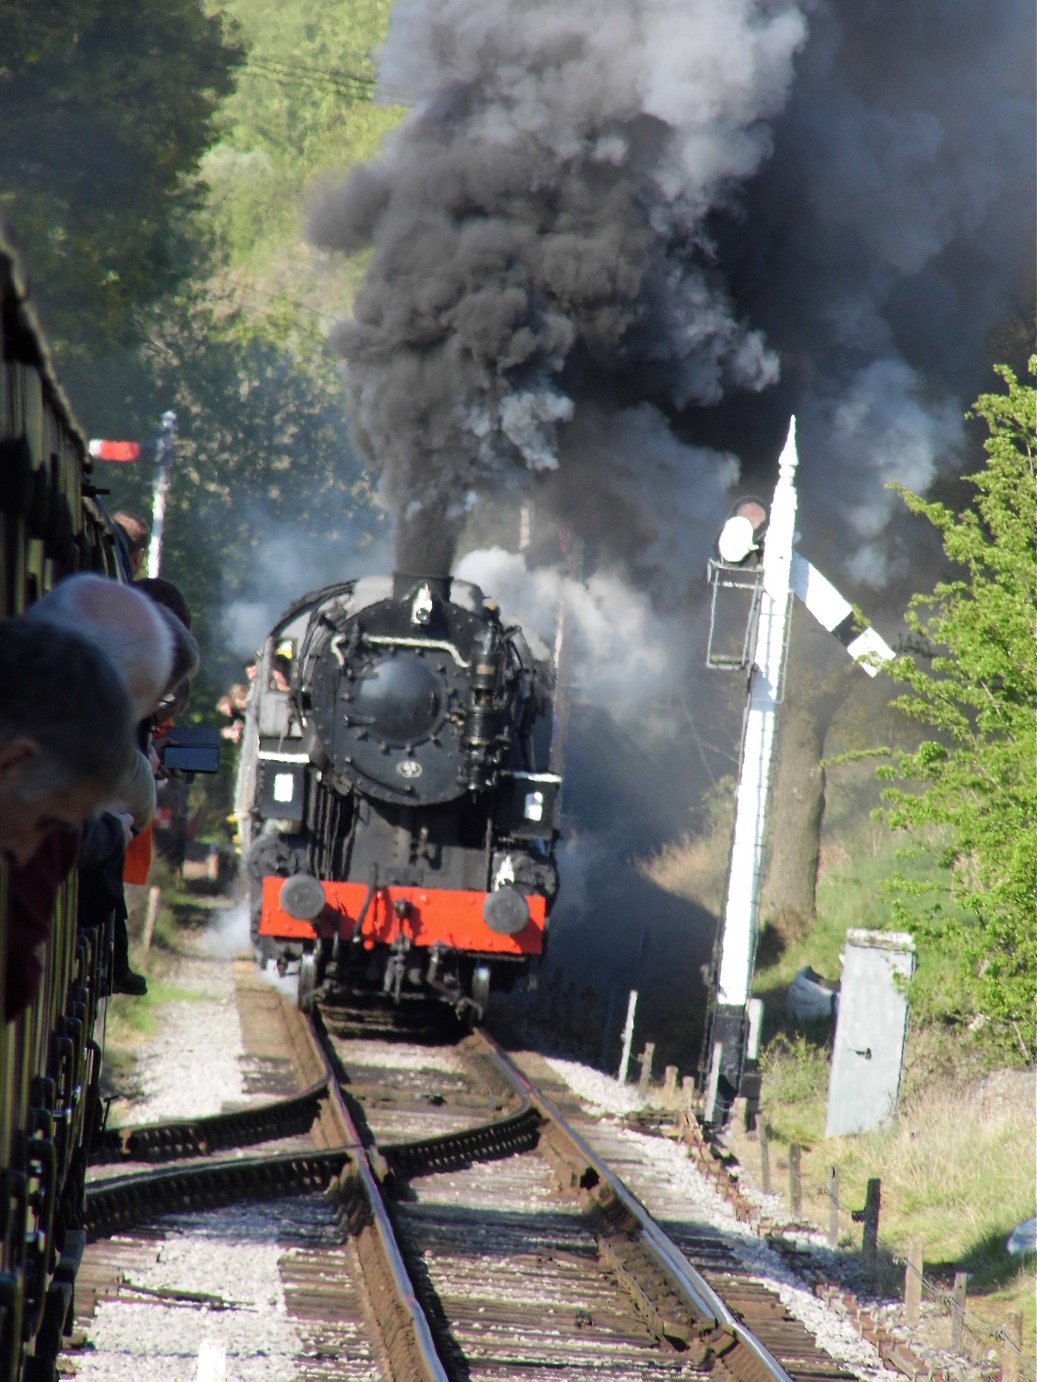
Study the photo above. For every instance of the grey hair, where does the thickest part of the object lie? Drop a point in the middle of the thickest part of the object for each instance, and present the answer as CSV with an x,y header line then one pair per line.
x,y
124,624
62,692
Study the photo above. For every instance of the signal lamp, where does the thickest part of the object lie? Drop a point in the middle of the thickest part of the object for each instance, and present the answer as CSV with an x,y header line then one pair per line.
x,y
743,531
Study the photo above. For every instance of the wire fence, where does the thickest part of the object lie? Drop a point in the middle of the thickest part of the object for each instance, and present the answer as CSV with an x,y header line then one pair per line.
x,y
967,1333
581,1016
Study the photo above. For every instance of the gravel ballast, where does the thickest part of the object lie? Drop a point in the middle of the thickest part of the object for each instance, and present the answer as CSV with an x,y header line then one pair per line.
x,y
194,1065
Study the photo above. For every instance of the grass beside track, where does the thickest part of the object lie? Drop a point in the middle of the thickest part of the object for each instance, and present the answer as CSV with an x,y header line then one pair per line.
x,y
957,1161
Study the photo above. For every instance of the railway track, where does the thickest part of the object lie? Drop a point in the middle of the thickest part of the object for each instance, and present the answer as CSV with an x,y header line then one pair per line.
x,y
460,1217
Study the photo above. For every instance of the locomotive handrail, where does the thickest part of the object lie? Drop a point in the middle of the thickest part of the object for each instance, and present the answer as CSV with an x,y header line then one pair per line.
x,y
401,641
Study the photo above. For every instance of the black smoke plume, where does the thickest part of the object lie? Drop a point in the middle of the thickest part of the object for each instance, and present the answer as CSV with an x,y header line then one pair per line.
x,y
613,246
670,205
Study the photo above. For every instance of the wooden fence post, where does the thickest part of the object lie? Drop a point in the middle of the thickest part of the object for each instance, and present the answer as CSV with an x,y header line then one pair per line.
x,y
765,1155
833,1206
670,1087
150,917
958,1309
628,1037
913,1282
1012,1347
795,1178
870,1236
647,1056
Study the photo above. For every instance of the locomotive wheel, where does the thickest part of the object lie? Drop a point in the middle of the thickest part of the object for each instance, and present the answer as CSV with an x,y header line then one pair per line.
x,y
307,981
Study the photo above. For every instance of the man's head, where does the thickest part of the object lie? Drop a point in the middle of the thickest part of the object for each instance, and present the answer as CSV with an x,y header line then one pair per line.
x,y
66,732
127,626
186,653
137,534
165,593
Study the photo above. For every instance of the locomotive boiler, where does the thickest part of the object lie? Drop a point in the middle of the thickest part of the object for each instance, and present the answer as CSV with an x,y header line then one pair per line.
x,y
397,817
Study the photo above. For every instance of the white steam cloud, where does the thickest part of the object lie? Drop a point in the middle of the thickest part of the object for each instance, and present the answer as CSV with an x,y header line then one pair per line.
x,y
293,563
621,652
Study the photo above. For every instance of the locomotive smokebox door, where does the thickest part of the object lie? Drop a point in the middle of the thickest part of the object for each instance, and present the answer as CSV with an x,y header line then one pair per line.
x,y
527,806
283,793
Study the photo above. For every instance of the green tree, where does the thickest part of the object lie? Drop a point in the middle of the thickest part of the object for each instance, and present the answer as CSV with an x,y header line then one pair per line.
x,y
267,499
105,108
301,108
975,687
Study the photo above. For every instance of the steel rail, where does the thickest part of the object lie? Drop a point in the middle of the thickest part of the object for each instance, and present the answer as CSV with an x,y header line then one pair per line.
x,y
414,1340
699,1296
517,1132
123,1201
364,1175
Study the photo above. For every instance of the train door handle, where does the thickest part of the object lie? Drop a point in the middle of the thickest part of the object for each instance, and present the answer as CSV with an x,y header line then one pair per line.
x,y
38,1244
12,1292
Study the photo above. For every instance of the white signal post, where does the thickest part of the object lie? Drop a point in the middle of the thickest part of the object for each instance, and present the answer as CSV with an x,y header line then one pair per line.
x,y
160,453
164,460
784,573
739,925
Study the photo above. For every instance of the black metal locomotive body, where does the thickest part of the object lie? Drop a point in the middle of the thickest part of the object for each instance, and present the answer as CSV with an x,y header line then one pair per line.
x,y
397,816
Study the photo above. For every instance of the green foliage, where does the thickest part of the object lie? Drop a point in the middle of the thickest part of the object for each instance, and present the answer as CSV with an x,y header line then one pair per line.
x,y
975,689
266,500
302,107
154,168
105,107
795,1069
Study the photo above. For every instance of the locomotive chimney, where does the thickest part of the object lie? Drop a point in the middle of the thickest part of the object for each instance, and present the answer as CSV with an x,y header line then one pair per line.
x,y
425,542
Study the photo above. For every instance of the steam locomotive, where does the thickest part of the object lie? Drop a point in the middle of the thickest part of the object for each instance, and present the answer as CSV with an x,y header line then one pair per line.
x,y
397,818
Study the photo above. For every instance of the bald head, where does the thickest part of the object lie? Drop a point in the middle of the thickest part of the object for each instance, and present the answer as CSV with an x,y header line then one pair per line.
x,y
124,624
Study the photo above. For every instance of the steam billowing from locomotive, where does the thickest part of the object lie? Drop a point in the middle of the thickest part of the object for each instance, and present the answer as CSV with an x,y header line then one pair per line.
x,y
623,205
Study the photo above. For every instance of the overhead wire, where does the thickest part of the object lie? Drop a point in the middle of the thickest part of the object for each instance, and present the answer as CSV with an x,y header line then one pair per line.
x,y
286,72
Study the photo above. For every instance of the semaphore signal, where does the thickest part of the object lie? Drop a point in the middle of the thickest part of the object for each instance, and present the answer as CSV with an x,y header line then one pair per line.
x,y
755,557
160,452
